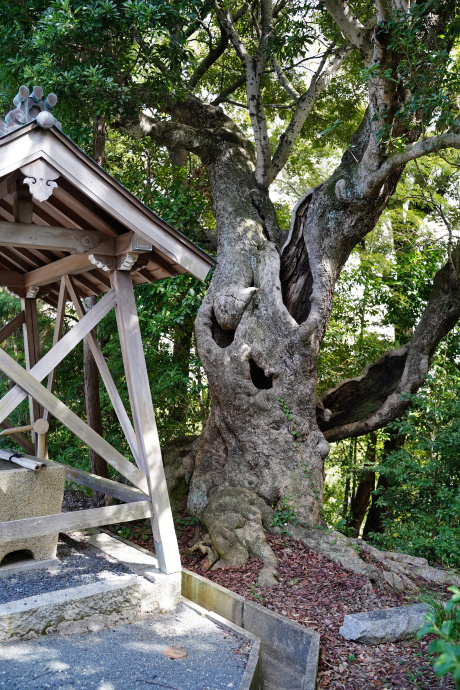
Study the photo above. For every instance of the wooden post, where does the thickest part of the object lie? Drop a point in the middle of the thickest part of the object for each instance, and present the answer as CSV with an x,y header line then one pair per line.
x,y
32,349
166,547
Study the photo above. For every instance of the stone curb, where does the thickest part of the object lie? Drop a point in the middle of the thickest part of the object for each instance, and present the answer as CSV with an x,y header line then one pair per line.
x,y
299,646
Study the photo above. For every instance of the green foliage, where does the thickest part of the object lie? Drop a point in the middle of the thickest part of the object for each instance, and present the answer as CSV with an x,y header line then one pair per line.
x,y
99,55
254,593
187,521
445,624
283,514
427,70
424,475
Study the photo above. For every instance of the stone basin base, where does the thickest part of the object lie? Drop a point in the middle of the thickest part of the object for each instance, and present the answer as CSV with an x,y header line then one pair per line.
x,y
27,494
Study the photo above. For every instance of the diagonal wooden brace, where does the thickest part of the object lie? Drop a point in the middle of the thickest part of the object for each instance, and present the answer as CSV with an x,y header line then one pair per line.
x,y
62,348
37,391
106,376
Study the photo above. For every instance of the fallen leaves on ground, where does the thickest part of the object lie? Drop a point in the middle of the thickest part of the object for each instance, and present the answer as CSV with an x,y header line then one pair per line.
x,y
175,652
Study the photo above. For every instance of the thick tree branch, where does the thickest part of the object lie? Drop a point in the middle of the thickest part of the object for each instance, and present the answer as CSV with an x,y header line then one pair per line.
x,y
380,394
319,82
284,81
385,95
216,52
171,134
212,57
254,67
229,90
370,184
349,25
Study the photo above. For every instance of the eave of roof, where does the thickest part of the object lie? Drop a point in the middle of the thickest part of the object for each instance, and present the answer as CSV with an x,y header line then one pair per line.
x,y
54,146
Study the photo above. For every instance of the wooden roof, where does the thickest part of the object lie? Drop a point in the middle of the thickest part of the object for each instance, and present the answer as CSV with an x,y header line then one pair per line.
x,y
60,213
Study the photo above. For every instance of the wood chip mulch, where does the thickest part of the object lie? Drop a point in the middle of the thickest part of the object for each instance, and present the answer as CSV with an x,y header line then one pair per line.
x,y
316,592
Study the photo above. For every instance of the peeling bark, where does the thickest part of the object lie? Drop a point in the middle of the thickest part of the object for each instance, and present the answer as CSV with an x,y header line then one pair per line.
x,y
296,277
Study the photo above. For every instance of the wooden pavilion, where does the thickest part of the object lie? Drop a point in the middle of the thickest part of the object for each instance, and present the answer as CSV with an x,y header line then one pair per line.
x,y
68,230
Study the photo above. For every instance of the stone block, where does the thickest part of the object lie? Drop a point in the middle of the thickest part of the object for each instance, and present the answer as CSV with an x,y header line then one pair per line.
x,y
28,494
161,592
386,625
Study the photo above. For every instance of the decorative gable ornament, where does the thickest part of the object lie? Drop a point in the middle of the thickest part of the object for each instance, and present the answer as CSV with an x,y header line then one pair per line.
x,y
40,179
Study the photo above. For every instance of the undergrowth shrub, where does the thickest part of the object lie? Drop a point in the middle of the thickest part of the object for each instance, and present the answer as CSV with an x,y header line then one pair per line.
x,y
422,501
445,624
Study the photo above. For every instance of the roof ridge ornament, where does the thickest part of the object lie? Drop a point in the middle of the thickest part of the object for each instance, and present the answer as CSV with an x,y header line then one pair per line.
x,y
30,107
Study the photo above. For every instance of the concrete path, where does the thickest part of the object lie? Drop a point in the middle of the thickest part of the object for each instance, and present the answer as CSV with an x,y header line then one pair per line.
x,y
129,656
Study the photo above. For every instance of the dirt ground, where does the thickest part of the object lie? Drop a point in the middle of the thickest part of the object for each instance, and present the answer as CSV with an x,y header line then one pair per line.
x,y
316,592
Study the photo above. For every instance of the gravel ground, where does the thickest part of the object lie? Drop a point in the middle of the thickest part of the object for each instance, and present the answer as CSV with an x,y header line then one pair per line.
x,y
81,564
129,656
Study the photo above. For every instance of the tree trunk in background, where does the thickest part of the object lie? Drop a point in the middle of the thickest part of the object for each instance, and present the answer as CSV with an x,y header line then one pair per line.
x,y
90,370
374,521
259,332
93,405
183,336
99,140
360,501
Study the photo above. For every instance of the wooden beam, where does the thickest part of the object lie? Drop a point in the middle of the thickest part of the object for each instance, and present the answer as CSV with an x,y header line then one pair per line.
x,y
130,242
166,547
11,279
76,263
64,239
12,326
105,486
48,362
106,376
32,350
76,425
70,522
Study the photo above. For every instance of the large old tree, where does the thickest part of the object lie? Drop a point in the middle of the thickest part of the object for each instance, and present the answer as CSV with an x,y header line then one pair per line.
x,y
172,73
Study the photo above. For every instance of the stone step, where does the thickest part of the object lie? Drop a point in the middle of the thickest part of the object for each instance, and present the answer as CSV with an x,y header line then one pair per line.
x,y
71,597
116,599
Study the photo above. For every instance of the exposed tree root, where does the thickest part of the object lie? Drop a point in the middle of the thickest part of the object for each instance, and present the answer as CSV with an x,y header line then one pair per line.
x,y
237,520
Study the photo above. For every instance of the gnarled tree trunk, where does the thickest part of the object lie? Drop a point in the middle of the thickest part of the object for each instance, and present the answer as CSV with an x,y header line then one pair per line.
x,y
262,322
